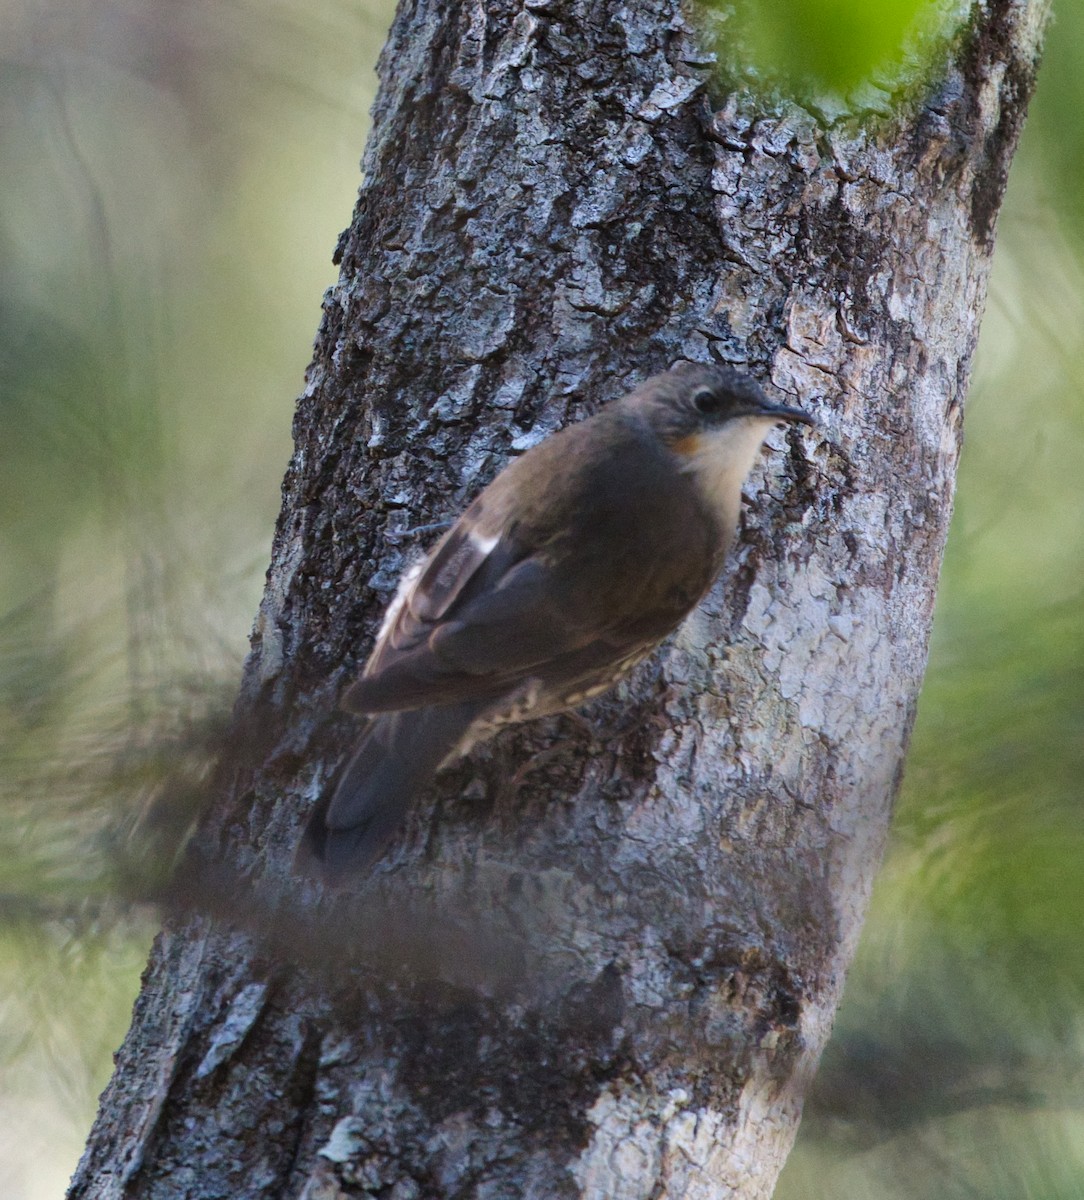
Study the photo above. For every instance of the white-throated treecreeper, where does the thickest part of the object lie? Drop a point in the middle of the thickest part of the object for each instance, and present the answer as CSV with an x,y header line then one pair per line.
x,y
567,570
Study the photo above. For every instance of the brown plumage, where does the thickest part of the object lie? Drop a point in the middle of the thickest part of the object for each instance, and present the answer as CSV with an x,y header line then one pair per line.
x,y
572,566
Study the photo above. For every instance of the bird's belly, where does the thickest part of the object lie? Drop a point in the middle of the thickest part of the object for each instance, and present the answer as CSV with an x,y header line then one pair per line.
x,y
540,697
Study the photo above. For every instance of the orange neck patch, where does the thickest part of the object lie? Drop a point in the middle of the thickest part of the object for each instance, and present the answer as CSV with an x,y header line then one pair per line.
x,y
686,445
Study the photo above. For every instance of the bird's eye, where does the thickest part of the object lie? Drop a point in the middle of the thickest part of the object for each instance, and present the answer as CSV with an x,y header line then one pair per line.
x,y
707,400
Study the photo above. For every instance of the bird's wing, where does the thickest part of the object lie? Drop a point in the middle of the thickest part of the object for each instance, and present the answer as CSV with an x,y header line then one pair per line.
x,y
553,572
486,613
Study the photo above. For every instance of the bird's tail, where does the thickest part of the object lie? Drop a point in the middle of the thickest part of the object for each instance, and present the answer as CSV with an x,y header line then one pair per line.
x,y
397,756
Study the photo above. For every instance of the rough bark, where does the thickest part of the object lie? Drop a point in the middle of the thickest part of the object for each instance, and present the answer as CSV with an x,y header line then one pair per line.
x,y
604,957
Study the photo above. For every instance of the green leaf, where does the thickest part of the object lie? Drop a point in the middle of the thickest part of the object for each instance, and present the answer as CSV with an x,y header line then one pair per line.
x,y
814,48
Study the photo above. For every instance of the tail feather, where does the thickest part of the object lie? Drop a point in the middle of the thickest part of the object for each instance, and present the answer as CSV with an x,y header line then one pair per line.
x,y
397,756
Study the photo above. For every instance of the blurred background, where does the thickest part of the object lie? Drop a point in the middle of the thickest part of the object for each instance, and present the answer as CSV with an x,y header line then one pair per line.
x,y
173,179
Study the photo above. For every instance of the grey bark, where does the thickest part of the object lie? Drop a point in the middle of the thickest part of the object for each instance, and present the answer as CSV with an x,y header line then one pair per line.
x,y
604,957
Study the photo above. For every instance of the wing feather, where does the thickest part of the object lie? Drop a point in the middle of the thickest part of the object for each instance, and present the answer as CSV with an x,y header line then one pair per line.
x,y
499,598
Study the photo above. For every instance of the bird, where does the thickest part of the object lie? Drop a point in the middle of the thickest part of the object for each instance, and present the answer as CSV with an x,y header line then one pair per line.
x,y
563,574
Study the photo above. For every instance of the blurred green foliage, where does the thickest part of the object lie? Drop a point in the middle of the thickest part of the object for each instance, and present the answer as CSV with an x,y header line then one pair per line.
x,y
174,178
66,990
1055,139
828,52
957,1065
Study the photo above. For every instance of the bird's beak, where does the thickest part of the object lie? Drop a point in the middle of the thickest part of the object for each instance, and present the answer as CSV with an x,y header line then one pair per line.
x,y
783,412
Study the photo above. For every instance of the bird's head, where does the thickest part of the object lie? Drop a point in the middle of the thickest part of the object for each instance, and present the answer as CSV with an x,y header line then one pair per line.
x,y
713,419
694,402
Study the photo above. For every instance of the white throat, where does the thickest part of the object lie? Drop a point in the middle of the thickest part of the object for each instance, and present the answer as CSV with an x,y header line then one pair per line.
x,y
722,460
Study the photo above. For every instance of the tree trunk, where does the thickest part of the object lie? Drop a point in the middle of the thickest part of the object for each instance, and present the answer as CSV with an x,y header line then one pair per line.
x,y
604,956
